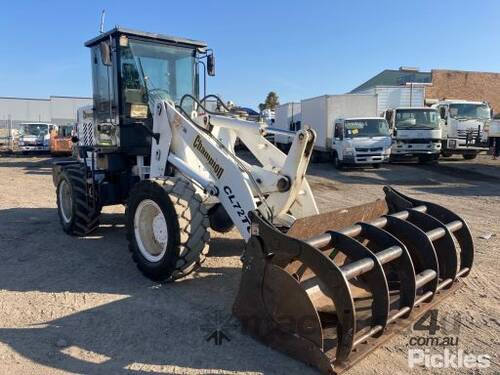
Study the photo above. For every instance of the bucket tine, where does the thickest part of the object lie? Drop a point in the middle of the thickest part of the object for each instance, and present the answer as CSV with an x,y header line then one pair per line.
x,y
419,246
442,240
379,238
444,215
375,277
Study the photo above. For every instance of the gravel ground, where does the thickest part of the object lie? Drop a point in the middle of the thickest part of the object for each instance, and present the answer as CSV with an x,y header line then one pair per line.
x,y
78,305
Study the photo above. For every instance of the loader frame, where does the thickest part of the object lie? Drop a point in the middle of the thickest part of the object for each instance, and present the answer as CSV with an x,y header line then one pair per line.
x,y
324,288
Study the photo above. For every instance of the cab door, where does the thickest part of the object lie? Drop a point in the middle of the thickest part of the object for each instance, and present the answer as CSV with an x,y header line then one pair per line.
x,y
338,137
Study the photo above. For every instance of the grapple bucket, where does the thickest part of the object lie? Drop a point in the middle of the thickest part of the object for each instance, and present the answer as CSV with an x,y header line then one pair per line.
x,y
336,285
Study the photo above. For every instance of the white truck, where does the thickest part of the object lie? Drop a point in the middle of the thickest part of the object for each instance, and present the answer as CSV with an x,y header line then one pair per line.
x,y
465,127
35,136
320,114
361,141
416,132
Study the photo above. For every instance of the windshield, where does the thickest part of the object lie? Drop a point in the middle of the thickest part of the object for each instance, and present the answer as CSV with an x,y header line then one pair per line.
x,y
469,111
366,128
417,118
153,72
65,131
36,130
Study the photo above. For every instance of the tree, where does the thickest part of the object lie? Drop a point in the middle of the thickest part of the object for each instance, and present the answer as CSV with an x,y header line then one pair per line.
x,y
271,102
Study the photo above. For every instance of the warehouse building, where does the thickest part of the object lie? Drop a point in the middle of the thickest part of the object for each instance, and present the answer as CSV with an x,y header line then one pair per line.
x,y
439,84
58,110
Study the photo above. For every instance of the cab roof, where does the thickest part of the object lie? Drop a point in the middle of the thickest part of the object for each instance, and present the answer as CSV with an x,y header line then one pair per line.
x,y
460,101
360,118
145,35
417,108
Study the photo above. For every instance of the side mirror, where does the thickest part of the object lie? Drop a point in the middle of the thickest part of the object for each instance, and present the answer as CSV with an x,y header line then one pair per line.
x,y
211,65
105,53
442,113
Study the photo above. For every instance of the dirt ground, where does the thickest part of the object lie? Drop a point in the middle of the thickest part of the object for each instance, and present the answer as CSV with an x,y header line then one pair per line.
x,y
79,305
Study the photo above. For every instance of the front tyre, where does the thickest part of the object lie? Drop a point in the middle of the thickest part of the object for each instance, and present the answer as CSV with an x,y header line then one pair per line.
x,y
336,162
470,156
167,228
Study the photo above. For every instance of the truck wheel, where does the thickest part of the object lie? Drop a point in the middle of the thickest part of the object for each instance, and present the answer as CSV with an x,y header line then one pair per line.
x,y
167,228
337,163
445,154
469,156
426,159
76,215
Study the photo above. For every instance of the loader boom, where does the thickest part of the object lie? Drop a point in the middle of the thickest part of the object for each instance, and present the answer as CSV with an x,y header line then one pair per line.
x,y
278,188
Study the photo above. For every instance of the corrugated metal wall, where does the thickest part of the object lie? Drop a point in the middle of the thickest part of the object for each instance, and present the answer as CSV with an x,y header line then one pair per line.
x,y
57,110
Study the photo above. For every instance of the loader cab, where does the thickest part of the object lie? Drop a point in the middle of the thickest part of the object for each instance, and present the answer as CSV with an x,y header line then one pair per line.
x,y
131,70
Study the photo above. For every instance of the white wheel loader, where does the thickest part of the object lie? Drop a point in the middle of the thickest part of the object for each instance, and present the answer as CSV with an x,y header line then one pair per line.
x,y
324,288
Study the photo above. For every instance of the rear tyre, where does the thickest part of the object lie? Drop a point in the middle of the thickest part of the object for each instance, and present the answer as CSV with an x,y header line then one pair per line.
x,y
469,156
167,228
77,213
445,154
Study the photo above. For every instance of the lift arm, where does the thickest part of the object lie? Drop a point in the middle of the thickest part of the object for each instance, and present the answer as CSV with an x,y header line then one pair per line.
x,y
277,187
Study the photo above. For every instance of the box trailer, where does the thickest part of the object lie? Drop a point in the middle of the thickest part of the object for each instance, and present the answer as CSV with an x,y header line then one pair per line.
x,y
321,112
390,97
288,117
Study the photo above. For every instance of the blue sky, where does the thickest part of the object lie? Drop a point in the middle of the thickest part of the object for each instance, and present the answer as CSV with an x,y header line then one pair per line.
x,y
297,48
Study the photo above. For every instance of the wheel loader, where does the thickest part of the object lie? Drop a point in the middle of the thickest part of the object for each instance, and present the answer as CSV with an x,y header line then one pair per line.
x,y
324,288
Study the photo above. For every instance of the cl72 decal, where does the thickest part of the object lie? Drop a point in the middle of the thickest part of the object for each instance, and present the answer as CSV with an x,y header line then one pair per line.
x,y
237,206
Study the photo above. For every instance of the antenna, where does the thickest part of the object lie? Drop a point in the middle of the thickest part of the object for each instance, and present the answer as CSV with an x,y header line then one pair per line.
x,y
101,27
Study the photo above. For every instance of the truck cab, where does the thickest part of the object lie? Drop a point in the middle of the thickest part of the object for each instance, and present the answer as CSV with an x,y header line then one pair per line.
x,y
60,140
361,141
465,127
35,136
416,132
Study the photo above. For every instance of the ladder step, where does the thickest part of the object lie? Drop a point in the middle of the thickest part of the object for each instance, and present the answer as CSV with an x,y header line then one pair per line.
x,y
367,335
454,226
391,253
423,297
357,268
438,233
364,265
424,277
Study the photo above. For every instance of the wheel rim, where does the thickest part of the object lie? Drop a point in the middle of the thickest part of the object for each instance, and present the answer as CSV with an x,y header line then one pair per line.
x,y
66,201
150,229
